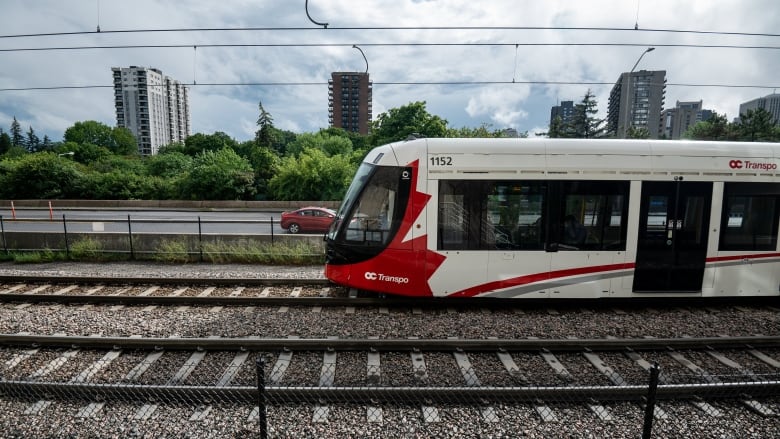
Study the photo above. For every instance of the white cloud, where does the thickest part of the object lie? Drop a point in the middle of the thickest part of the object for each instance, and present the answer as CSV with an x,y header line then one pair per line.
x,y
233,109
502,106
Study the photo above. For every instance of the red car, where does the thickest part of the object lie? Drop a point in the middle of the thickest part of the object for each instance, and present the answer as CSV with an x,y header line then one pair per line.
x,y
308,219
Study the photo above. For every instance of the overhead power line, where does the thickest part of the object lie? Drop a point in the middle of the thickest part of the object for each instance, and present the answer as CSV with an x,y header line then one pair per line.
x,y
391,83
396,28
235,45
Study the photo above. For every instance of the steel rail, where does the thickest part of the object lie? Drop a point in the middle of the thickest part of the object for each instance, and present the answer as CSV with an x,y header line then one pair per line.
x,y
390,345
382,394
195,300
92,280
372,299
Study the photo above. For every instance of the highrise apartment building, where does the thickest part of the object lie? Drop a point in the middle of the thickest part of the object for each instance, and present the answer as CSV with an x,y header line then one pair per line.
x,y
636,100
676,121
565,111
154,107
349,101
770,103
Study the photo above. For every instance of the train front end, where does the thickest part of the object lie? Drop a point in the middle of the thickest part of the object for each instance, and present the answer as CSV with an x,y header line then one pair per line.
x,y
378,240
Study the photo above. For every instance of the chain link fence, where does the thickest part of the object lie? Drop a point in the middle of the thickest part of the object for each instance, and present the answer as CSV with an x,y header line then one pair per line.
x,y
279,397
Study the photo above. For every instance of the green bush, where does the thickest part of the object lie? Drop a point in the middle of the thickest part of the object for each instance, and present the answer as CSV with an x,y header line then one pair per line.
x,y
87,249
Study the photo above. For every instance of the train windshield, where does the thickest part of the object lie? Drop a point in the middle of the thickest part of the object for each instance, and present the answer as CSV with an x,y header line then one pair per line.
x,y
373,207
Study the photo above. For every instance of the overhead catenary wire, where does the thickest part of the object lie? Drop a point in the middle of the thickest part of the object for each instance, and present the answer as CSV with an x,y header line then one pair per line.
x,y
391,83
398,28
464,44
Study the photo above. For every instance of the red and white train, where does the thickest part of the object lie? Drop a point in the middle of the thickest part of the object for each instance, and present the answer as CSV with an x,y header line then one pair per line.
x,y
561,218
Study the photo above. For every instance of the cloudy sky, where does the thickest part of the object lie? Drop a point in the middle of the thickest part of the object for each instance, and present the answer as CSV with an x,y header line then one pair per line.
x,y
460,56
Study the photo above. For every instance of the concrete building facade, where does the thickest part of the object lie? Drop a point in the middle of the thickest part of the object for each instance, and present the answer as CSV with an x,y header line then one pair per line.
x,y
636,100
154,107
770,103
349,101
676,121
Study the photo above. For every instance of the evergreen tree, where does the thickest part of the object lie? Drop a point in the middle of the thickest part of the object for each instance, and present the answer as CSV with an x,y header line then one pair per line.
x,y
16,133
557,128
46,144
264,136
33,142
756,126
585,124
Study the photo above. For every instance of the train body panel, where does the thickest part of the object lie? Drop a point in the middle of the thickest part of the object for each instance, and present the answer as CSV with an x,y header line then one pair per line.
x,y
561,218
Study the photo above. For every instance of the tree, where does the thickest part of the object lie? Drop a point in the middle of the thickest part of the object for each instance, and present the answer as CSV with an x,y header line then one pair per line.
x,y
168,165
124,142
113,162
41,176
83,153
329,144
399,123
714,128
118,140
263,161
33,142
483,131
46,144
637,133
756,126
5,142
265,123
584,123
199,143
16,133
312,175
557,128
219,175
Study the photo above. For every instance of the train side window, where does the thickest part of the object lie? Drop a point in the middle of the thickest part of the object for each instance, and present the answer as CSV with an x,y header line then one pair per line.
x,y
750,216
593,215
489,215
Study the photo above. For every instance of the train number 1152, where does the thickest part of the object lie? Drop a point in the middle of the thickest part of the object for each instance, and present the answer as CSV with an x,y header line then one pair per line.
x,y
441,161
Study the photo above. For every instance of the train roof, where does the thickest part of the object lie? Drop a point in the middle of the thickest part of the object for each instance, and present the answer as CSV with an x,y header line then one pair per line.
x,y
633,147
593,156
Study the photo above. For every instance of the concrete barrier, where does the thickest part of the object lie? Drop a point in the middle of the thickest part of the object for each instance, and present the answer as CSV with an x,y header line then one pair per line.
x,y
167,204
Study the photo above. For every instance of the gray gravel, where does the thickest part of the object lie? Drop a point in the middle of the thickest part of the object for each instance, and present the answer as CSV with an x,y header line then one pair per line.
x,y
150,269
60,420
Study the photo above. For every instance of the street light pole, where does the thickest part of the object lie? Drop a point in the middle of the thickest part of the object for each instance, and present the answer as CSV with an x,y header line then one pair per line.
x,y
628,91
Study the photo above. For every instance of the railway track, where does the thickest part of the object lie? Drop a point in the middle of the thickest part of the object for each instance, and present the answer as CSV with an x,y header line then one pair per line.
x,y
280,292
600,375
338,365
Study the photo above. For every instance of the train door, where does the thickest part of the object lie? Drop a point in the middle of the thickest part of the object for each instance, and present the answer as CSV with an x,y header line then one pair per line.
x,y
672,239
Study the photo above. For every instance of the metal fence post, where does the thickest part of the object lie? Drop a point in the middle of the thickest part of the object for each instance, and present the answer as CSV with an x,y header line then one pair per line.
x,y
2,229
65,228
272,230
200,240
262,398
650,407
130,236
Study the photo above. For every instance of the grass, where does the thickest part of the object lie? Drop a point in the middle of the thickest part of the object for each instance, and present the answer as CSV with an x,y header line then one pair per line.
x,y
175,251
299,253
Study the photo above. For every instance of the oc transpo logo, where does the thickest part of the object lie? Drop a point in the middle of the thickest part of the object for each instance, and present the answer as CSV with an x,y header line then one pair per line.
x,y
747,164
370,275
